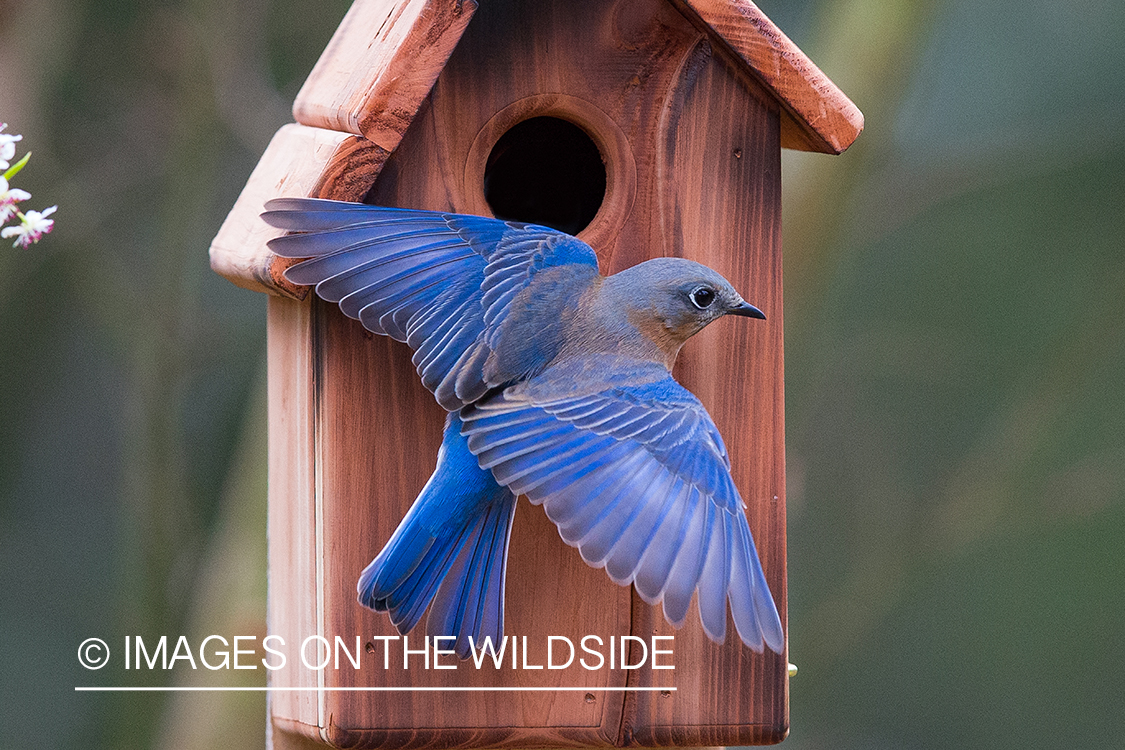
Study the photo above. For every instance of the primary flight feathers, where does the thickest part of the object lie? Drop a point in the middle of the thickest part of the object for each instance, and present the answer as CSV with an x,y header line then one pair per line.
x,y
558,384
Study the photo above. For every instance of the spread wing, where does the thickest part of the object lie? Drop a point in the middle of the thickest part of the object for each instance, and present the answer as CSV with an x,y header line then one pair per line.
x,y
443,283
634,473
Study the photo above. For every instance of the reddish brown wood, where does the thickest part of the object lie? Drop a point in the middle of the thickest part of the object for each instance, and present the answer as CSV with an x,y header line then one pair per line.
x,y
347,176
387,53
380,64
670,118
292,530
818,116
723,162
285,735
300,161
353,438
689,106
384,58
378,431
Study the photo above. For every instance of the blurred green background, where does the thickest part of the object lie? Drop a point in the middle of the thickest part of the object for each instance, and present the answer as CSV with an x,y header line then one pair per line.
x,y
955,289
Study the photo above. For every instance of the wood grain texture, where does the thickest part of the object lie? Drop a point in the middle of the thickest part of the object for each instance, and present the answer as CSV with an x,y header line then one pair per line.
x,y
385,57
293,610
819,116
692,150
286,735
380,65
623,59
692,155
299,161
377,433
721,202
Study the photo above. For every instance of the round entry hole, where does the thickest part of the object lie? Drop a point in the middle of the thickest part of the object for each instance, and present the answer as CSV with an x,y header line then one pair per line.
x,y
545,171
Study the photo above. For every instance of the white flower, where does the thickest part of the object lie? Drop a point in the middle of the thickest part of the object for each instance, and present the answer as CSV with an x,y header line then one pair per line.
x,y
32,226
7,146
9,198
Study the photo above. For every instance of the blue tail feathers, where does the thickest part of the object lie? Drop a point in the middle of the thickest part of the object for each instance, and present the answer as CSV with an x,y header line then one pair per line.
x,y
450,549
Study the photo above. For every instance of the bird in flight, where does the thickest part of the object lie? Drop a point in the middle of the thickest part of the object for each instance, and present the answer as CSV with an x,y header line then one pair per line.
x,y
558,385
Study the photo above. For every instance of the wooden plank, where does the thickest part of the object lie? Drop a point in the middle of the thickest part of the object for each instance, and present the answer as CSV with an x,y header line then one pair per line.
x,y
819,116
622,59
283,734
372,83
379,430
299,161
668,116
384,457
380,65
692,150
722,196
292,612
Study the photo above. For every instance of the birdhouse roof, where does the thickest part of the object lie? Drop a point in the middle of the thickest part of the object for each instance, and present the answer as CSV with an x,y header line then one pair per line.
x,y
817,114
382,63
372,84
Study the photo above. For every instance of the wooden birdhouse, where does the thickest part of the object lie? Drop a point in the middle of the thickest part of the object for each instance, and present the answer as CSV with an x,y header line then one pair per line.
x,y
646,127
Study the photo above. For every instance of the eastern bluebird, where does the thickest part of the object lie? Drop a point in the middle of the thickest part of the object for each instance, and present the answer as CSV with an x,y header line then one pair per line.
x,y
558,385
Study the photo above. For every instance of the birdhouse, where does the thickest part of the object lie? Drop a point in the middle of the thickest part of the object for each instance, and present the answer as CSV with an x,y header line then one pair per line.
x,y
647,128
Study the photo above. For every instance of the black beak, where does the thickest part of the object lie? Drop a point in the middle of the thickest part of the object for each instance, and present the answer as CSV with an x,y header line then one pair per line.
x,y
747,310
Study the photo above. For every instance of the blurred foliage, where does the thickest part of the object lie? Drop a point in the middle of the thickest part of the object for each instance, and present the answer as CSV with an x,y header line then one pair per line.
x,y
132,483
955,380
955,368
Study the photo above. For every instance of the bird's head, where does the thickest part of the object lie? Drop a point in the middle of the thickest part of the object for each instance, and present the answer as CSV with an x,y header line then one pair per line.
x,y
669,300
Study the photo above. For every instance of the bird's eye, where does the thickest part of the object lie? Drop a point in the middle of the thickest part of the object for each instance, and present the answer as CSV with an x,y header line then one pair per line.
x,y
702,297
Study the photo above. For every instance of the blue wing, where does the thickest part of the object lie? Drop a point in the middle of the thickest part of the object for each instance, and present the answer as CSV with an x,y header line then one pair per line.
x,y
632,470
443,283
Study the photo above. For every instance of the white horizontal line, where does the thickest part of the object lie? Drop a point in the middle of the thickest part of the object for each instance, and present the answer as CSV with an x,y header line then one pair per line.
x,y
140,689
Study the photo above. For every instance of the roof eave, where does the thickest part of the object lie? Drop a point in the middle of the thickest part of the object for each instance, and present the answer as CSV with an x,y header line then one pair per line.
x,y
817,115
